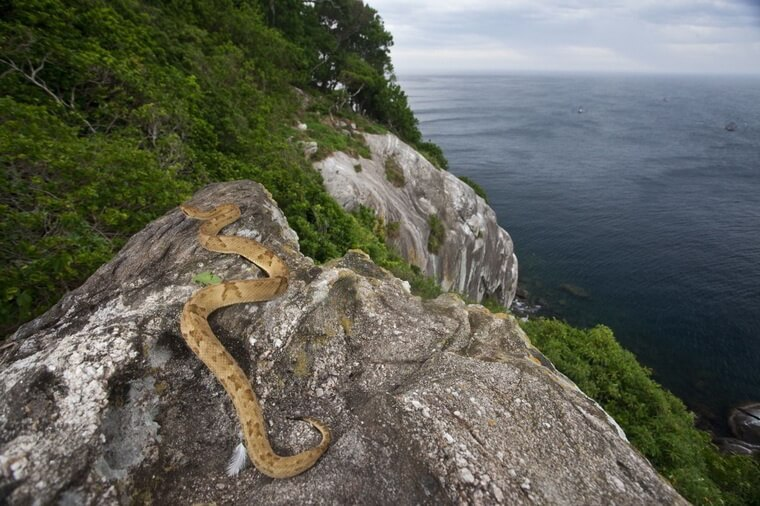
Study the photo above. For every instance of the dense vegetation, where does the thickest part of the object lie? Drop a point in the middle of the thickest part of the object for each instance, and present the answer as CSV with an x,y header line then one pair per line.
x,y
112,112
655,421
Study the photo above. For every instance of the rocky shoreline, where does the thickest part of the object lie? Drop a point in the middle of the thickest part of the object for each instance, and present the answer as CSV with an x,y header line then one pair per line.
x,y
525,306
738,433
744,423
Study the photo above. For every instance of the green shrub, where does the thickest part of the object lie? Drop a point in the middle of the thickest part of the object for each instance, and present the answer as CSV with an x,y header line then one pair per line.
x,y
392,229
433,153
655,421
421,285
331,139
493,305
479,191
437,234
68,202
394,173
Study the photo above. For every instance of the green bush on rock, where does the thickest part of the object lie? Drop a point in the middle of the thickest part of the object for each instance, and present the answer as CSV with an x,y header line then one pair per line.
x,y
437,234
655,421
479,191
394,173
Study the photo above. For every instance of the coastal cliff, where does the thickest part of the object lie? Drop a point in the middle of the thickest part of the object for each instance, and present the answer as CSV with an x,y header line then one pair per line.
x,y
115,112
433,219
429,402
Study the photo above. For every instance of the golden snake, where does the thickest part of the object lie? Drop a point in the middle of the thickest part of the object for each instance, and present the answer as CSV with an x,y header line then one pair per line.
x,y
203,342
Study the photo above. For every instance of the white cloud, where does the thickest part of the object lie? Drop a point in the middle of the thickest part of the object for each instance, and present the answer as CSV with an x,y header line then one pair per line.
x,y
634,35
477,58
589,52
697,49
595,58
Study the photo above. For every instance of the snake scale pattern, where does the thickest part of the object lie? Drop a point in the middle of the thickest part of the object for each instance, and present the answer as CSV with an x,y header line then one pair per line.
x,y
202,341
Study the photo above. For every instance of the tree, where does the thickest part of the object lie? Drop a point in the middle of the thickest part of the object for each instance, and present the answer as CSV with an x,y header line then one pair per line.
x,y
348,50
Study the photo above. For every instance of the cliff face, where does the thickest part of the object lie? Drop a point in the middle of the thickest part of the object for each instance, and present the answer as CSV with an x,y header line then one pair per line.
x,y
430,402
470,252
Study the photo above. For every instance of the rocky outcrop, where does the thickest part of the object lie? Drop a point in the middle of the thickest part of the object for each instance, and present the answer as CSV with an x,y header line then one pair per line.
x,y
744,421
745,424
470,253
736,446
430,402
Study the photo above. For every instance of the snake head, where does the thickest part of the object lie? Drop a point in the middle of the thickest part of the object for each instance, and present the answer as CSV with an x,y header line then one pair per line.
x,y
188,210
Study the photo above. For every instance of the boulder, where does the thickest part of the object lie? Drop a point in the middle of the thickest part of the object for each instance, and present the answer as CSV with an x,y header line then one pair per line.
x,y
744,421
309,148
429,402
434,220
736,446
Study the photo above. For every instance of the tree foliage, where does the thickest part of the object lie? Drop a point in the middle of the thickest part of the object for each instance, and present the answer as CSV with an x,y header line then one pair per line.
x,y
112,112
347,50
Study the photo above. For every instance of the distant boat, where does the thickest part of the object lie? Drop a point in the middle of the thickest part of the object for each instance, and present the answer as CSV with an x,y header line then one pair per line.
x,y
580,110
731,126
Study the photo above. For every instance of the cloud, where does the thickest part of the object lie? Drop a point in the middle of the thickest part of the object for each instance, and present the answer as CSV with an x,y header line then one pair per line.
x,y
589,52
474,58
624,35
698,12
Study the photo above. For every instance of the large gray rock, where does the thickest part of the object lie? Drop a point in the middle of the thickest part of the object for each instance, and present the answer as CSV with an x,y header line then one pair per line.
x,y
745,423
430,402
736,446
476,257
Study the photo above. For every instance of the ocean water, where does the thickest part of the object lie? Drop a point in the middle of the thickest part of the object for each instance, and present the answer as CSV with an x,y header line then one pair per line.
x,y
644,204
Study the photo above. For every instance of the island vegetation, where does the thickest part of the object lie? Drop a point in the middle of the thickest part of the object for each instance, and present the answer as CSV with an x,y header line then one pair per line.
x,y
113,112
655,421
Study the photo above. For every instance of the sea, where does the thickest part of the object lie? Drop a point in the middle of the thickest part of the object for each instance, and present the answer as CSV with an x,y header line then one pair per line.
x,y
633,201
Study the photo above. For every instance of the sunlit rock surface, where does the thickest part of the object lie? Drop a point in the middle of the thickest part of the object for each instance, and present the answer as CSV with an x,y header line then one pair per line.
x,y
476,256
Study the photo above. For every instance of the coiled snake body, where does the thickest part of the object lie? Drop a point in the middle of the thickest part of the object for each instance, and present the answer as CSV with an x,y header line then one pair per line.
x,y
202,341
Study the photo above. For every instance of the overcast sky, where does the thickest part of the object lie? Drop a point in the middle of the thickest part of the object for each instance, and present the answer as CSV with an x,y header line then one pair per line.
x,y
706,36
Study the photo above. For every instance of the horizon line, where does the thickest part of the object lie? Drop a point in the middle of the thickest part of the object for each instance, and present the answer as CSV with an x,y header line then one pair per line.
x,y
505,72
